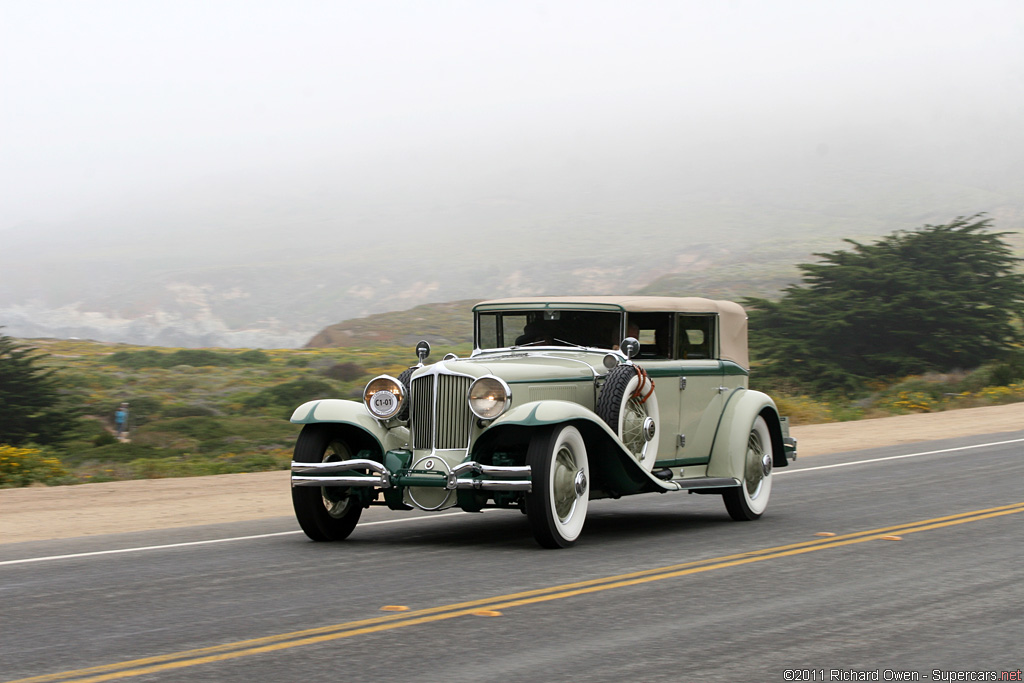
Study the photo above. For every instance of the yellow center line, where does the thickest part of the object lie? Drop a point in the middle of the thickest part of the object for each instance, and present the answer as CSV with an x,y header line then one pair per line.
x,y
246,648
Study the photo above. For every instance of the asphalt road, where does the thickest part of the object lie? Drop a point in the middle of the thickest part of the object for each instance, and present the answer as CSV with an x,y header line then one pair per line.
x,y
923,574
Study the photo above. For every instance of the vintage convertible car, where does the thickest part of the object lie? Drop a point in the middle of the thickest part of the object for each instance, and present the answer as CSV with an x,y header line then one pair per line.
x,y
562,401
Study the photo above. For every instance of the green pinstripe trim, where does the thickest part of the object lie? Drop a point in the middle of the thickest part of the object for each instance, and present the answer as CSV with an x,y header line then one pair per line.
x,y
721,415
680,462
309,415
550,381
678,371
727,368
730,368
531,419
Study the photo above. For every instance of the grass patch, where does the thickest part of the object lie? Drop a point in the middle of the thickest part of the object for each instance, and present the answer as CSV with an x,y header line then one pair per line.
x,y
231,414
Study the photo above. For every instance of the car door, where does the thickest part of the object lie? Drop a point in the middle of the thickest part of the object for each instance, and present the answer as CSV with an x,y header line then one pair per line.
x,y
700,386
688,382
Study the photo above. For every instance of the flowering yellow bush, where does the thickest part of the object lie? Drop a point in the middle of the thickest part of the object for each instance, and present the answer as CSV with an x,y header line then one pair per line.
x,y
24,466
1008,394
928,402
803,410
914,401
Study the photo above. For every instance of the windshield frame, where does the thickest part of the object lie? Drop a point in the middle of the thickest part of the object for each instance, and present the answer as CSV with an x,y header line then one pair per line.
x,y
582,327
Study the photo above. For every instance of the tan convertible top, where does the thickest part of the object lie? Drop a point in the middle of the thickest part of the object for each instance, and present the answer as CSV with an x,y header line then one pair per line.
x,y
732,318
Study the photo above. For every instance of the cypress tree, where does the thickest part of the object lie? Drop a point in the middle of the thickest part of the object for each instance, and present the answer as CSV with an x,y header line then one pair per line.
x,y
933,299
29,398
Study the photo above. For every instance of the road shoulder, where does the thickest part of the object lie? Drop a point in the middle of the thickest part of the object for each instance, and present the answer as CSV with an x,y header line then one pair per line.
x,y
47,513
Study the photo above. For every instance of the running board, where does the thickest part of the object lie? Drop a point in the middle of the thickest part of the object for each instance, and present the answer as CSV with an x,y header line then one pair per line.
x,y
700,483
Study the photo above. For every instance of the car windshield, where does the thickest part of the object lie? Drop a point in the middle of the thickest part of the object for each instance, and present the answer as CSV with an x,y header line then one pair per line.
x,y
501,329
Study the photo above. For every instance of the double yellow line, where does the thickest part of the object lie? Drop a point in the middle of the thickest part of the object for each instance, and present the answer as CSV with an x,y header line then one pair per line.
x,y
283,641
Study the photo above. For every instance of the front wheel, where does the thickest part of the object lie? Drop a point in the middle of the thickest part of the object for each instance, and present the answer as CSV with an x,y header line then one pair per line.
x,y
327,513
557,504
749,500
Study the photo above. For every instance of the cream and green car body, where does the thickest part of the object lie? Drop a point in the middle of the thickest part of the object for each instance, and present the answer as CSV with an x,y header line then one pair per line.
x,y
563,400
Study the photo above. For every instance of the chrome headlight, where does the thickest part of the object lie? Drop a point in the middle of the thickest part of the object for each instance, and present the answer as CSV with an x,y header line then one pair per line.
x,y
489,397
384,396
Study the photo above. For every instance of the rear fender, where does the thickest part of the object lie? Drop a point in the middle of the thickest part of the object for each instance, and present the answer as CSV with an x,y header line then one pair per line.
x,y
730,447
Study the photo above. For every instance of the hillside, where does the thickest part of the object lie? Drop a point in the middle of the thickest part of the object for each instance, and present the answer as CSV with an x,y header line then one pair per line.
x,y
442,324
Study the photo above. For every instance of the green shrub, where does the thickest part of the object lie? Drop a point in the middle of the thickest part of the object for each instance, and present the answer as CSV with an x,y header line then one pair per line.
x,y
137,359
150,358
190,410
254,357
201,357
201,428
104,439
291,393
345,372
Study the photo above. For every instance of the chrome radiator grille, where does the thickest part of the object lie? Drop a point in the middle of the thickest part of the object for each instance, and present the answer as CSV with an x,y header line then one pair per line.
x,y
453,423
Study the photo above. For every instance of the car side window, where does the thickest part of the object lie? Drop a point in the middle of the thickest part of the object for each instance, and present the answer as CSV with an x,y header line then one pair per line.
x,y
695,337
654,332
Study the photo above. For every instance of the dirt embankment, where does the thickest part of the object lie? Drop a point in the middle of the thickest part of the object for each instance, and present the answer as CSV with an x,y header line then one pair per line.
x,y
41,513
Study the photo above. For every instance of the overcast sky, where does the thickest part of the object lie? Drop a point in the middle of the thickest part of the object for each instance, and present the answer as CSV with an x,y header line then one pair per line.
x,y
151,108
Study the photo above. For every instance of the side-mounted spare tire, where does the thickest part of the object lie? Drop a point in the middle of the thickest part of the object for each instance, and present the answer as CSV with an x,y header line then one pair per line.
x,y
629,406
406,381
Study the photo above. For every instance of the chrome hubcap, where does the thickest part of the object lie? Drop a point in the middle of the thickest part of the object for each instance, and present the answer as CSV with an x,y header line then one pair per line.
x,y
758,465
581,484
566,482
649,428
336,500
637,428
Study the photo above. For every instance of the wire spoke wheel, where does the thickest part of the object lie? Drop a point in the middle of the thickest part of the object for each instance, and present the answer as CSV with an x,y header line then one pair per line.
x,y
629,415
633,415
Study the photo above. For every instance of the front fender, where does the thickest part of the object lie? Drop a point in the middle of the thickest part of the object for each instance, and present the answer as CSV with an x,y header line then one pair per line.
x,y
351,415
728,453
613,470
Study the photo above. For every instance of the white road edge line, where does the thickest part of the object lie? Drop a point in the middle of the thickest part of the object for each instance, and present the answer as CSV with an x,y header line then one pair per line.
x,y
413,519
896,457
207,542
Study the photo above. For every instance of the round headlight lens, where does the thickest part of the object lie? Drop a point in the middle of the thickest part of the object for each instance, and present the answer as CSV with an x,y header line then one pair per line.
x,y
489,397
384,397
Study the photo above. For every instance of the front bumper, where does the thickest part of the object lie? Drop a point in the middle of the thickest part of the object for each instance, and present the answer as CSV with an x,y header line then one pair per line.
x,y
360,472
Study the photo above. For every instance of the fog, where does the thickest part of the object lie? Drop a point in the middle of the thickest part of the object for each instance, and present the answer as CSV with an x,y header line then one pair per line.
x,y
140,139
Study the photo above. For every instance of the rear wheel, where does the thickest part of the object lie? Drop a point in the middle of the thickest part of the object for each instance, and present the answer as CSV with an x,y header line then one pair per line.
x,y
327,513
557,504
749,500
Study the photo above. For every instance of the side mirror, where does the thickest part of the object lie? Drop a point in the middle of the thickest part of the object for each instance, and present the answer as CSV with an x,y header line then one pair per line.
x,y
422,351
630,346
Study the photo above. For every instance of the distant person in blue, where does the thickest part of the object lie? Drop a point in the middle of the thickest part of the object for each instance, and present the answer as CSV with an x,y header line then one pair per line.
x,y
121,420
